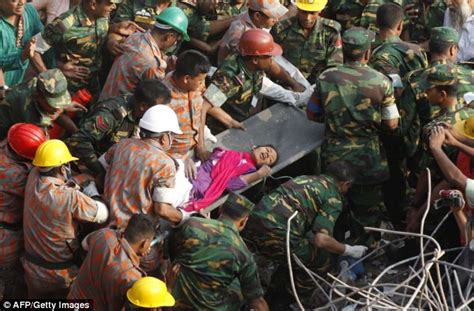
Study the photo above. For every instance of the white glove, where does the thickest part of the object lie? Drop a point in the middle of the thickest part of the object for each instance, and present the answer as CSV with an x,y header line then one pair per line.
x,y
208,135
91,190
355,251
303,97
185,218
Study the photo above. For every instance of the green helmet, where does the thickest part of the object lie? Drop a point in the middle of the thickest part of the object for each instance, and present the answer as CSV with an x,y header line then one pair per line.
x,y
176,19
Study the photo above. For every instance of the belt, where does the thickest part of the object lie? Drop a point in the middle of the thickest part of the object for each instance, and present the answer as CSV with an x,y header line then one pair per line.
x,y
11,227
49,265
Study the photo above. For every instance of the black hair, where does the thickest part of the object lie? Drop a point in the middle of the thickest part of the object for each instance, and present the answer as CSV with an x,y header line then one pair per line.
x,y
389,15
440,47
192,63
150,90
274,148
351,57
342,171
451,90
139,227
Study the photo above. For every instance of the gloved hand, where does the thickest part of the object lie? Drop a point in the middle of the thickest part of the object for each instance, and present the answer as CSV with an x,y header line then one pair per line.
x,y
355,251
302,98
186,216
91,190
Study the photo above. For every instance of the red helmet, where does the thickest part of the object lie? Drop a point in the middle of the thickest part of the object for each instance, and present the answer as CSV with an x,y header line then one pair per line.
x,y
25,138
258,42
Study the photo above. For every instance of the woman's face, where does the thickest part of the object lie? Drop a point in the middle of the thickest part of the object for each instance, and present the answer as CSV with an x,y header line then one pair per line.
x,y
264,156
12,7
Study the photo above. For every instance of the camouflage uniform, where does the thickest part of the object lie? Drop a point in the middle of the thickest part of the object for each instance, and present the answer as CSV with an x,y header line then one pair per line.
x,y
198,27
396,57
227,8
429,17
75,37
443,74
312,54
351,13
217,270
319,204
142,12
415,110
111,121
353,100
232,88
20,105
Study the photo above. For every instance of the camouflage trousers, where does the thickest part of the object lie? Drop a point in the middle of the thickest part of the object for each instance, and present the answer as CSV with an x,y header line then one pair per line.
x,y
367,210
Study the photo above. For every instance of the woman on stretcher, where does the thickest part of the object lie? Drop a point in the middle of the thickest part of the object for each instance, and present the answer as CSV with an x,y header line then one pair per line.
x,y
225,170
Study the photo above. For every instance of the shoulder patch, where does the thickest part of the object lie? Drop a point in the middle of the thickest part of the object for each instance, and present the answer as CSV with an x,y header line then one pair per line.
x,y
332,23
100,124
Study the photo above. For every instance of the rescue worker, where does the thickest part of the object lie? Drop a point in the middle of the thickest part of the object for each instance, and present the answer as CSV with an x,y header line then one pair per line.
x,y
114,119
142,12
148,293
310,42
186,84
262,15
212,265
230,8
319,202
356,103
236,85
143,167
16,153
54,207
78,36
395,58
144,53
111,266
441,91
39,101
423,17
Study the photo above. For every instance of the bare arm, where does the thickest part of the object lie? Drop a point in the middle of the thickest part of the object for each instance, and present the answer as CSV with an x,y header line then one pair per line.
x,y
223,117
167,212
328,243
219,26
277,72
66,122
38,63
391,124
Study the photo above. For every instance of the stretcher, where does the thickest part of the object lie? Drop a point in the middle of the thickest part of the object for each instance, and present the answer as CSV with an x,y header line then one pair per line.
x,y
286,127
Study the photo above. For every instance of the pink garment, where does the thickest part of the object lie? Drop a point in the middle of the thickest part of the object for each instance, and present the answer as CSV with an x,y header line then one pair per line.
x,y
50,9
229,166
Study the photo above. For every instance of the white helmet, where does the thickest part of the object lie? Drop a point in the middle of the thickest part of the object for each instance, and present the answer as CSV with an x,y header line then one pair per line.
x,y
160,119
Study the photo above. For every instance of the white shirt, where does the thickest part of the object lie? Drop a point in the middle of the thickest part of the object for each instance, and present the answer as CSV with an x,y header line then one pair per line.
x,y
466,40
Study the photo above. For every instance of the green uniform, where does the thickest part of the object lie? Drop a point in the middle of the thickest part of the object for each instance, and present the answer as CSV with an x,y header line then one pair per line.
x,y
350,13
143,12
318,202
111,121
198,27
75,37
312,54
216,266
395,56
20,105
227,9
429,17
234,88
353,100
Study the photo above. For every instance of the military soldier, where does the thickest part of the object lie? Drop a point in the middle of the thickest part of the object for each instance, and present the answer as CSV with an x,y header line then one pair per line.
x,y
415,109
237,82
423,16
230,8
142,12
395,59
356,102
39,101
353,13
78,37
213,267
319,202
310,42
441,90
114,119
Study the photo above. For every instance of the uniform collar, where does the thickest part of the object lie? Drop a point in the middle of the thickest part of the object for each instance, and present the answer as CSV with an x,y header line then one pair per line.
x,y
240,62
393,38
229,224
81,15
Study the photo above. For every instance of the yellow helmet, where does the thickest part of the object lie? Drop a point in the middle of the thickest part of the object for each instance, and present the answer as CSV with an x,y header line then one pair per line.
x,y
52,153
149,292
311,5
465,127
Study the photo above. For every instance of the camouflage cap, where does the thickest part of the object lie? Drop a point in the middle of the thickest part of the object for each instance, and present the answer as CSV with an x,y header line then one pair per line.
x,y
116,1
357,40
271,8
444,34
237,205
52,83
442,74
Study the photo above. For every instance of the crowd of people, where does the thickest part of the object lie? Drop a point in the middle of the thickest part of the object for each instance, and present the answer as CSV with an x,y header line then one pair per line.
x,y
106,107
